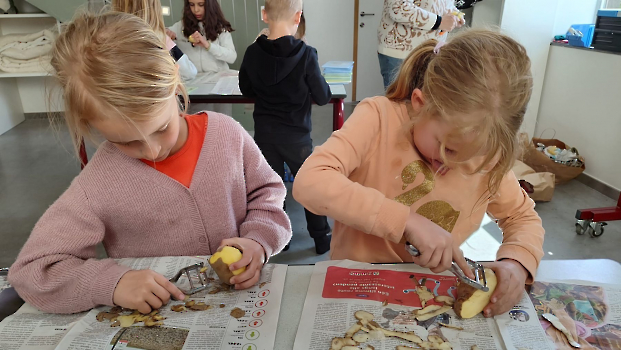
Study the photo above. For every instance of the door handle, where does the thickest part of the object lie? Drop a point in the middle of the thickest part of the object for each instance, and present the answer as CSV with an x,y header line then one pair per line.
x,y
362,14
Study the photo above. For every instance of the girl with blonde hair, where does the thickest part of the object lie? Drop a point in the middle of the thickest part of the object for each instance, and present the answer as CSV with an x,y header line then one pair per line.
x,y
427,161
163,183
151,12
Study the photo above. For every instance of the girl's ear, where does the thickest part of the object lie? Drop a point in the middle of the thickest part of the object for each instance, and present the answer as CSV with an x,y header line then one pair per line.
x,y
417,100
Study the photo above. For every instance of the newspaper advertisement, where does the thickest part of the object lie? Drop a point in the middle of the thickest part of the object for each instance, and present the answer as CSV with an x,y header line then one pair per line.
x,y
590,311
221,317
340,288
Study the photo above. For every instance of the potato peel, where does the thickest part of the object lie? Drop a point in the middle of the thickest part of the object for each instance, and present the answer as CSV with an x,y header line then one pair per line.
x,y
427,316
446,300
424,295
427,309
450,326
340,343
353,330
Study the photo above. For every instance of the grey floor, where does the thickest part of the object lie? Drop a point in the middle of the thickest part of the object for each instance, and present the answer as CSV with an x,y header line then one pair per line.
x,y
37,165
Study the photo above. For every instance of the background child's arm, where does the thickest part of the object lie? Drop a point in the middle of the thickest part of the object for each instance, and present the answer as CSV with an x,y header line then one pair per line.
x,y
56,271
266,222
245,85
225,50
521,226
319,89
323,187
409,14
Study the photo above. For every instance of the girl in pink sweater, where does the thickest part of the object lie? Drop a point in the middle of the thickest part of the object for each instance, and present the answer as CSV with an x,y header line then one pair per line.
x,y
162,184
424,164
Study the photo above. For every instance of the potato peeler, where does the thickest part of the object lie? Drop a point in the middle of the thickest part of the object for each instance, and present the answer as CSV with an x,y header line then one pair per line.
x,y
193,273
479,282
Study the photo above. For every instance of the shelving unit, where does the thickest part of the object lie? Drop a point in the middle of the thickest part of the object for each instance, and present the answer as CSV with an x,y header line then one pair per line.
x,y
23,92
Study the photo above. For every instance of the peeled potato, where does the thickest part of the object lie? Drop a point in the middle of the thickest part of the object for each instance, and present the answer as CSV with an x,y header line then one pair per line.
x,y
471,301
221,261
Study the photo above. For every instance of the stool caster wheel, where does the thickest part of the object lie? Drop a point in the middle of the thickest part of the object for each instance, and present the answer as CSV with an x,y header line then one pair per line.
x,y
582,226
597,229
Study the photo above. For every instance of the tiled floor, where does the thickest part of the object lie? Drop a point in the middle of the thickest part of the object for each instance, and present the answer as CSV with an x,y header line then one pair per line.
x,y
37,165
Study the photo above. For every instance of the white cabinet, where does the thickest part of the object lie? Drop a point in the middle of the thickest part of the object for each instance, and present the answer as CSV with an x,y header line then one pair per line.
x,y
23,92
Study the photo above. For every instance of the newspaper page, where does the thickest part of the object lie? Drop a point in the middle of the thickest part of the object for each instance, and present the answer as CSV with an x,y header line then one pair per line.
x,y
340,288
590,311
520,328
237,320
31,329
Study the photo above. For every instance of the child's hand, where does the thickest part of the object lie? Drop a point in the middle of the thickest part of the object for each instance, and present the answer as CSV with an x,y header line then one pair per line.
x,y
511,280
436,247
200,40
144,290
449,22
253,257
171,34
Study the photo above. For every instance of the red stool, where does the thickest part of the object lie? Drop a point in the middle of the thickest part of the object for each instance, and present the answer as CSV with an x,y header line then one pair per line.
x,y
592,221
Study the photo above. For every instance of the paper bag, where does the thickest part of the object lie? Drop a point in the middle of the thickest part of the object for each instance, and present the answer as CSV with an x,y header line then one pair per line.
x,y
542,163
540,186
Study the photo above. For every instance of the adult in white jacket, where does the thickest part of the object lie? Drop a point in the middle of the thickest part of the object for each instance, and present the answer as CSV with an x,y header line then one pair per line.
x,y
406,24
205,36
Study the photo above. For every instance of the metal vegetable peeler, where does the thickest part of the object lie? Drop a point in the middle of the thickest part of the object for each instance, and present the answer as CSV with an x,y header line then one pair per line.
x,y
194,274
479,271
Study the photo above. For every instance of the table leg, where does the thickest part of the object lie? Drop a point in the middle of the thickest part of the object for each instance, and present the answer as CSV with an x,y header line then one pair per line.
x,y
338,117
83,155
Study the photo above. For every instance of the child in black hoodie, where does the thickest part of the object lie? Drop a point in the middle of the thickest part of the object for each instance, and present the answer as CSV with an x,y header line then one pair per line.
x,y
283,75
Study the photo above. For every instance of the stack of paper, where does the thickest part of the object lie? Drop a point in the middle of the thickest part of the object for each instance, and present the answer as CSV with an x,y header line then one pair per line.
x,y
338,72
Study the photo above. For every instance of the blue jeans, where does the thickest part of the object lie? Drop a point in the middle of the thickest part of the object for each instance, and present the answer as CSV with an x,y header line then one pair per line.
x,y
389,67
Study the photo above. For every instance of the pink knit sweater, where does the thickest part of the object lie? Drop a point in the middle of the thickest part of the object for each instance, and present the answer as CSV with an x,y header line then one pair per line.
x,y
137,211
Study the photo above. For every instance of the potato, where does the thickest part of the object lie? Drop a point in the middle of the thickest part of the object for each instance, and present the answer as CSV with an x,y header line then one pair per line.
x,y
221,260
471,301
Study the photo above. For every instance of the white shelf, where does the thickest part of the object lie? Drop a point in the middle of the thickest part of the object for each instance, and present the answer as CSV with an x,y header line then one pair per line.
x,y
26,15
23,75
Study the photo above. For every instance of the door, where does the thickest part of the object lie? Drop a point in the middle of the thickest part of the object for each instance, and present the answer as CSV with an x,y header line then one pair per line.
x,y
368,77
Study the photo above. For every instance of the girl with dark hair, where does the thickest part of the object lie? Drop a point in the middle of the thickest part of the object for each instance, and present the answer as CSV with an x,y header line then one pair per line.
x,y
205,36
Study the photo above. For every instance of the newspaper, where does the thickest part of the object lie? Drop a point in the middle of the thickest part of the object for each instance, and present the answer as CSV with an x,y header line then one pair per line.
x,y
340,288
227,85
210,329
4,283
590,311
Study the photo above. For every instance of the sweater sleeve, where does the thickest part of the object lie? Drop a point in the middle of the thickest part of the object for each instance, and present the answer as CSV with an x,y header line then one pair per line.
x,y
56,271
319,88
187,69
177,28
323,186
406,12
521,226
225,50
266,221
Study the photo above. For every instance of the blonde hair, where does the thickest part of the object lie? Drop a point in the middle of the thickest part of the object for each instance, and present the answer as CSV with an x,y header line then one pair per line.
x,y
478,72
282,9
149,10
112,66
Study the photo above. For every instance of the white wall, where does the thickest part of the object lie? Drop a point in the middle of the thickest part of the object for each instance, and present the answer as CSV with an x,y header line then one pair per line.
x,y
574,12
580,101
531,22
330,29
487,13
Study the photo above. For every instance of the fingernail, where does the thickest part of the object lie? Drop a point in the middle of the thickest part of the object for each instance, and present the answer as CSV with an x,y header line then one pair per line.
x,y
181,296
494,299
